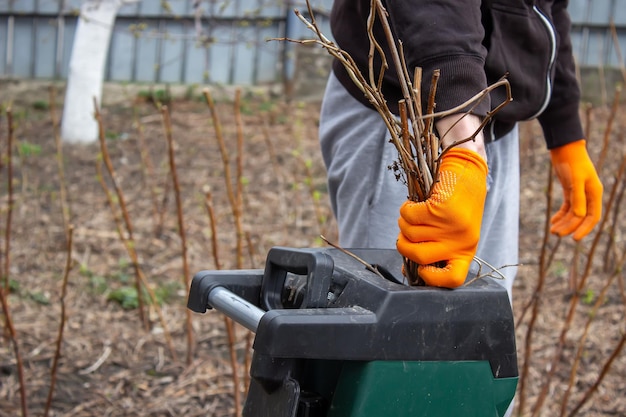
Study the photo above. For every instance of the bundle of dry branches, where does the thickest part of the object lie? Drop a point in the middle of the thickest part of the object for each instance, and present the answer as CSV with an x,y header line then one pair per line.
x,y
412,133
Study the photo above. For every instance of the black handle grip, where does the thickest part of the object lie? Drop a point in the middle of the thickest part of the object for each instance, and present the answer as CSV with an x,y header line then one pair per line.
x,y
317,266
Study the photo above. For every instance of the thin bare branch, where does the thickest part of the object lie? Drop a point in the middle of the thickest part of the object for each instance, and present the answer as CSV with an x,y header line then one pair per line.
x,y
62,320
367,265
65,207
11,199
238,207
208,204
5,289
609,128
8,323
167,126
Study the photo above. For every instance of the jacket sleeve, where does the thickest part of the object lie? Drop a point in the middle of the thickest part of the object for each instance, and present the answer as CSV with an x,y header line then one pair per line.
x,y
561,120
445,35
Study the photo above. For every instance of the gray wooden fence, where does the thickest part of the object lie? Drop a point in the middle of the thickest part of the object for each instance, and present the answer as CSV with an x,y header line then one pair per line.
x,y
156,41
592,37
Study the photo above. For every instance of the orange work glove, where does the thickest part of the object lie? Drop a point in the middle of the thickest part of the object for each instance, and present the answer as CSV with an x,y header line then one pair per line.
x,y
446,227
582,191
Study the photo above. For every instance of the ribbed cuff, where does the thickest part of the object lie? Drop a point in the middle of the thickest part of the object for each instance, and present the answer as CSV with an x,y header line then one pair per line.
x,y
561,125
461,78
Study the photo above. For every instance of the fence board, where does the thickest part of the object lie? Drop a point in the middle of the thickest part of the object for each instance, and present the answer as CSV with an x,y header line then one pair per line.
x,y
4,30
171,53
69,29
49,6
45,48
121,62
23,47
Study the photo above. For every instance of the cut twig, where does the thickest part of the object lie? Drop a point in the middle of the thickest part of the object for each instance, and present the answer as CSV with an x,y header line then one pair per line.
x,y
217,126
238,208
367,265
11,199
65,207
10,327
5,288
247,359
232,338
492,273
275,162
611,246
228,323
62,320
588,113
167,126
208,204
149,175
609,128
97,364
618,50
234,193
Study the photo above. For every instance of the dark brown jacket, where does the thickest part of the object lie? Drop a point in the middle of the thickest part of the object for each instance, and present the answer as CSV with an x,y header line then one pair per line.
x,y
474,43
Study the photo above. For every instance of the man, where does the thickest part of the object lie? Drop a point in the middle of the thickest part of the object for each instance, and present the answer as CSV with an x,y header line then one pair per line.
x,y
473,43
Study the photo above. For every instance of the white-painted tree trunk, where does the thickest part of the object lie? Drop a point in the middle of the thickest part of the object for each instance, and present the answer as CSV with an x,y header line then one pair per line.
x,y
86,69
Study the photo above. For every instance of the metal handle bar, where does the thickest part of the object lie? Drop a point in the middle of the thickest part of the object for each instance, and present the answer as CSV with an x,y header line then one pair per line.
x,y
235,307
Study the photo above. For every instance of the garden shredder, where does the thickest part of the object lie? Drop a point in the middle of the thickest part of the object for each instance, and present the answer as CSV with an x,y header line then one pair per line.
x,y
338,334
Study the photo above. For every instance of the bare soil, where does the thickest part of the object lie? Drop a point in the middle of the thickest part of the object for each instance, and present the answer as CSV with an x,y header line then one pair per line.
x,y
110,365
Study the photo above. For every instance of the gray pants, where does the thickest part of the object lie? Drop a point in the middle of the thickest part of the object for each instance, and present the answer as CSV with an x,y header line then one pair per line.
x,y
366,197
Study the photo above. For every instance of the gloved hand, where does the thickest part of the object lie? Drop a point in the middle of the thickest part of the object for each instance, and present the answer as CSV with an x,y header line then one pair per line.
x,y
582,191
446,227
